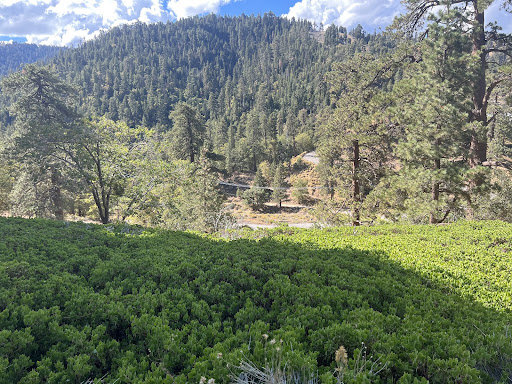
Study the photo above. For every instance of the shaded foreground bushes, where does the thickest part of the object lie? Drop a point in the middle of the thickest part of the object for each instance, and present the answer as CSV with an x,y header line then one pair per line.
x,y
126,305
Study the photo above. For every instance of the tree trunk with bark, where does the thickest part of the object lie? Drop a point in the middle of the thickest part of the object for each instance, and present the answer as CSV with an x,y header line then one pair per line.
x,y
478,116
356,198
56,194
435,192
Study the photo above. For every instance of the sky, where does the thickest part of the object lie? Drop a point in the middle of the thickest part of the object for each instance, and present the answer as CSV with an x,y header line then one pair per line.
x,y
68,22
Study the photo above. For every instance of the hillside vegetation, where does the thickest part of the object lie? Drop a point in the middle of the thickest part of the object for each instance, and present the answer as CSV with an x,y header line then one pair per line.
x,y
258,82
407,129
117,116
13,56
409,304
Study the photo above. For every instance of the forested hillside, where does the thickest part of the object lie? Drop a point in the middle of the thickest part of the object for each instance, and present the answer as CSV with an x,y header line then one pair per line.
x,y
242,90
258,82
13,55
400,304
410,125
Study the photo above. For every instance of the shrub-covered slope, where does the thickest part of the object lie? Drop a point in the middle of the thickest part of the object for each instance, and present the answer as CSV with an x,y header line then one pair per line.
x,y
409,304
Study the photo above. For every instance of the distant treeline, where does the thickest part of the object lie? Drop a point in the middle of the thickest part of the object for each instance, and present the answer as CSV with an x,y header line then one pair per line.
x,y
14,55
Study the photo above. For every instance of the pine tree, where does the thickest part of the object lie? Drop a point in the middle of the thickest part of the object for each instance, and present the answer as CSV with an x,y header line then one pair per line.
x,y
199,203
468,17
300,191
331,36
257,195
187,134
45,118
432,104
355,140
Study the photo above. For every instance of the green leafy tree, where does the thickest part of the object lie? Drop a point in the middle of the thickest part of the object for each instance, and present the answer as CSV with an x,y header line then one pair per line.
x,y
300,191
187,133
177,194
140,196
431,105
355,141
198,203
30,193
106,157
498,205
62,150
254,136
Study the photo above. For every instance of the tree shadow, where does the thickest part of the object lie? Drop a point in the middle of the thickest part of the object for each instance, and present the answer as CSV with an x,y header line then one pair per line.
x,y
283,209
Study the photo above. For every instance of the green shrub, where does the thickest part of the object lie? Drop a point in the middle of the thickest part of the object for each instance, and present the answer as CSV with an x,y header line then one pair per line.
x,y
300,191
409,304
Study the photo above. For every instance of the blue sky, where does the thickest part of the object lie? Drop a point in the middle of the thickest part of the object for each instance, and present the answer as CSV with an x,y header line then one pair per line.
x,y
251,6
67,22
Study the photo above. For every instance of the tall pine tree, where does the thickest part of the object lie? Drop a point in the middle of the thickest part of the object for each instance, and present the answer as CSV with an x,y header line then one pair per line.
x,y
45,117
431,105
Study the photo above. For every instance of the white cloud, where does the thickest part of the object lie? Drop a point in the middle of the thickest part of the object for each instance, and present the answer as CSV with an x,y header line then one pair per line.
x,y
371,14
152,12
67,22
186,8
7,3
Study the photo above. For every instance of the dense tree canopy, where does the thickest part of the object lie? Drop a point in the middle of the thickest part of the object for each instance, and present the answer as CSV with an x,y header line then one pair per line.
x,y
14,55
260,78
486,40
440,101
400,124
45,117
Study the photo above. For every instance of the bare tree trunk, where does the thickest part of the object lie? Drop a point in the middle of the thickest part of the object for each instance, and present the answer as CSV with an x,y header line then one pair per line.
x,y
478,145
103,209
470,212
106,215
435,191
330,188
192,155
56,194
356,214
